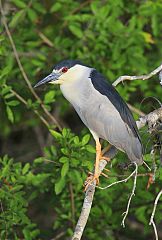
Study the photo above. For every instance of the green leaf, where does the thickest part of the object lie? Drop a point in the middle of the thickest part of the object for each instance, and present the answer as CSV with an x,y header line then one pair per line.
x,y
65,132
76,30
56,134
5,171
25,168
63,159
5,71
10,114
94,7
65,151
17,17
13,103
85,139
39,160
19,3
49,97
5,90
65,169
9,95
76,140
27,234
90,149
32,14
59,186
55,7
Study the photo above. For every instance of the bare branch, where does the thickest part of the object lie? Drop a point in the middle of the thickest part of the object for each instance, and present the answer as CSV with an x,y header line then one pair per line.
x,y
150,119
88,199
132,194
153,214
120,181
141,77
135,110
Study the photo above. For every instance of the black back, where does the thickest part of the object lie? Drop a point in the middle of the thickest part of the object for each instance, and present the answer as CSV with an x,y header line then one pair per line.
x,y
105,88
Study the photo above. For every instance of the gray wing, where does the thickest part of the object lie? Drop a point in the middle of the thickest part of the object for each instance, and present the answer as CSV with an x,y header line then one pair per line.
x,y
102,118
106,89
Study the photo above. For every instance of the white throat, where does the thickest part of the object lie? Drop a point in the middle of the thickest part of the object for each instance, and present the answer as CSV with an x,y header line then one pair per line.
x,y
75,84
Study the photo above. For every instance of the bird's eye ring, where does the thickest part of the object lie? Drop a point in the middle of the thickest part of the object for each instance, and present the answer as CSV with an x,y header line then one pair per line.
x,y
64,69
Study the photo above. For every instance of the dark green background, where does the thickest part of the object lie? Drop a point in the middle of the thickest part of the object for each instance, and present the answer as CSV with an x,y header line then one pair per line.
x,y
41,174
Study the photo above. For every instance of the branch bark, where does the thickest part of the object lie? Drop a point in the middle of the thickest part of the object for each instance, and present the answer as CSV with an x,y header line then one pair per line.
x,y
141,77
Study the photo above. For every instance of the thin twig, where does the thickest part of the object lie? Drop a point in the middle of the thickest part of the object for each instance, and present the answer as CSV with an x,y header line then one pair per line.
x,y
117,182
59,236
135,110
141,77
72,203
21,99
45,39
153,214
132,194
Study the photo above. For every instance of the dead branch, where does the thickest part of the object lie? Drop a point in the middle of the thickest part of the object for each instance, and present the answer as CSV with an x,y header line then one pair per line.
x,y
132,194
141,77
153,214
150,119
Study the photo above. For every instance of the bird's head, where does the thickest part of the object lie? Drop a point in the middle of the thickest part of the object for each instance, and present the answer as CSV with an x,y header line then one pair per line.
x,y
64,72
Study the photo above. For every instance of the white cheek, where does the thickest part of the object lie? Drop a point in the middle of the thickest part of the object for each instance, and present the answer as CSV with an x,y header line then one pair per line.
x,y
56,82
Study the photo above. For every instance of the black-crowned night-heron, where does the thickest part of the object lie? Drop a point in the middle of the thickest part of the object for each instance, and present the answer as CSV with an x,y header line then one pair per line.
x,y
99,106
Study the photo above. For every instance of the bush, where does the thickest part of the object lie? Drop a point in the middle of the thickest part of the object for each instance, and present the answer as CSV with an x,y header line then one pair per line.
x,y
45,167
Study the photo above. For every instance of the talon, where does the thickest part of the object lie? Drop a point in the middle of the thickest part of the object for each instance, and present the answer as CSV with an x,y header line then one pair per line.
x,y
90,179
107,170
105,158
150,181
105,175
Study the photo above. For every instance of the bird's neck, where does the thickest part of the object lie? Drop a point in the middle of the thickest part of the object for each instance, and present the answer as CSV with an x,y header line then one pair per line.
x,y
76,92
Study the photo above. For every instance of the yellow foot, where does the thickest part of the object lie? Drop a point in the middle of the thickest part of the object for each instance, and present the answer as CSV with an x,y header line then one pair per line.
x,y
105,175
107,170
105,158
90,179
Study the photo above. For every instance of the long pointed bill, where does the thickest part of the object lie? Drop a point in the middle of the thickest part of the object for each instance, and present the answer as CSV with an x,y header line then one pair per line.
x,y
49,78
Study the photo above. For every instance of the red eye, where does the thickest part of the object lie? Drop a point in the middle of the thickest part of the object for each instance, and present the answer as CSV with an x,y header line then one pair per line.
x,y
65,69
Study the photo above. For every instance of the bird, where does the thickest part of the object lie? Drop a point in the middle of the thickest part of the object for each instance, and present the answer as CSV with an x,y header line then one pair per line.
x,y
100,107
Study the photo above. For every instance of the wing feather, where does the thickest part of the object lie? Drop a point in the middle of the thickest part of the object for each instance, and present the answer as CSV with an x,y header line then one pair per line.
x,y
105,88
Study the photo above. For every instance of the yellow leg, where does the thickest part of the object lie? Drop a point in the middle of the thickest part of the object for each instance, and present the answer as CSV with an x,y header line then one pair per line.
x,y
96,175
98,157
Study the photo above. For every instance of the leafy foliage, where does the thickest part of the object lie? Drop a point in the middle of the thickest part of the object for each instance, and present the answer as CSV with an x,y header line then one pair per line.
x,y
41,189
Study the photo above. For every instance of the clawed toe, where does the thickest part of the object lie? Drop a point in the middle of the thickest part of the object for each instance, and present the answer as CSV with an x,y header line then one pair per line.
x,y
90,179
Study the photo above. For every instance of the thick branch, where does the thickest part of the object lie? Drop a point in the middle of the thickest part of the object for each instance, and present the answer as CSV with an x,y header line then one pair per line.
x,y
89,199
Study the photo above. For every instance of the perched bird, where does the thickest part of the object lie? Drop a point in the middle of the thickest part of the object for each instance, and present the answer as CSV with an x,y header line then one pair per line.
x,y
99,106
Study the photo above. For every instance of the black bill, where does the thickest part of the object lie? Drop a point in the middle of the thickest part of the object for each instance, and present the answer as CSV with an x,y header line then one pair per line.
x,y
49,78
